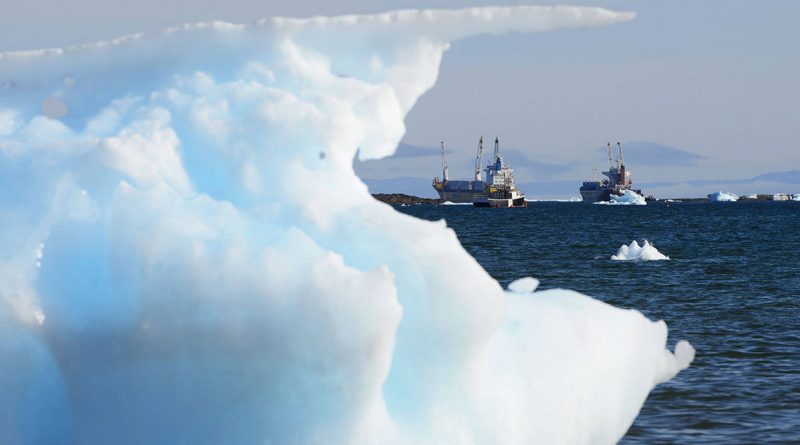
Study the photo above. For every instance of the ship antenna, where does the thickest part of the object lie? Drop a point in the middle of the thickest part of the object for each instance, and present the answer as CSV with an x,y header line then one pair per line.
x,y
478,160
610,162
444,163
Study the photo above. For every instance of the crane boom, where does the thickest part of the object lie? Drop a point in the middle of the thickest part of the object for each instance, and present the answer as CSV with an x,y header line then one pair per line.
x,y
478,160
444,163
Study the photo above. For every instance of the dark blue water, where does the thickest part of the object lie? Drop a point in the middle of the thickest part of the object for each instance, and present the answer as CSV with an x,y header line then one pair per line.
x,y
732,288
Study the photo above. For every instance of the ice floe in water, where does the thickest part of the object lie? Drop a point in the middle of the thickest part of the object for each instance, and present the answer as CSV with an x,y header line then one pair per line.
x,y
635,252
450,203
796,197
628,197
570,199
214,271
722,197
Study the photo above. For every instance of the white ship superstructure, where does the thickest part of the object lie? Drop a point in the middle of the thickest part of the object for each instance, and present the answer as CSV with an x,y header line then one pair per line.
x,y
500,190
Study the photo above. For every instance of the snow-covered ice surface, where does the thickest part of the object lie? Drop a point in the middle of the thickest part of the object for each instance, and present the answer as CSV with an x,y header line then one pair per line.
x,y
628,197
635,252
188,256
722,197
796,197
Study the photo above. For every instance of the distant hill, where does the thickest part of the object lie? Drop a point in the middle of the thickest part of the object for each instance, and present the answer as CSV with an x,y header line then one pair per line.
x,y
518,160
788,177
652,153
411,151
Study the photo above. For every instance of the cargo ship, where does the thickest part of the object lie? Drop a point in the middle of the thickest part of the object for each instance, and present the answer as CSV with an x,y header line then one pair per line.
x,y
619,180
499,189
459,191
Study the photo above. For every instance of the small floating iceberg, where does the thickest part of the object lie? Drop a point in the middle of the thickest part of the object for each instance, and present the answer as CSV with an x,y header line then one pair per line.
x,y
571,199
451,203
634,252
796,197
628,197
722,197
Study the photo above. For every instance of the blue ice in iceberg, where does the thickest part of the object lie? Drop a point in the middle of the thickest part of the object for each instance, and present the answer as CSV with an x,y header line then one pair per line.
x,y
188,256
722,197
628,197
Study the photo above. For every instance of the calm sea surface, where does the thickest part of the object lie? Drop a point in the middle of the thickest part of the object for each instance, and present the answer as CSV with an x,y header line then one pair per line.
x,y
732,288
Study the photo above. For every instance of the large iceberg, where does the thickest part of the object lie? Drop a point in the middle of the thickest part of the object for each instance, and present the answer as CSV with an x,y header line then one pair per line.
x,y
722,197
188,256
628,197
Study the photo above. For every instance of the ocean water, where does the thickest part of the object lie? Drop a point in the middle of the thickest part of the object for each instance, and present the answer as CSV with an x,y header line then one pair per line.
x,y
731,288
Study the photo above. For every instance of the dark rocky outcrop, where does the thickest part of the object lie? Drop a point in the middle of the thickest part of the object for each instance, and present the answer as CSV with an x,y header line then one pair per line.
x,y
399,198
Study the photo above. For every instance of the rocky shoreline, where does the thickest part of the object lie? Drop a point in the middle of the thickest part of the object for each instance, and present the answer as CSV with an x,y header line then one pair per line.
x,y
400,199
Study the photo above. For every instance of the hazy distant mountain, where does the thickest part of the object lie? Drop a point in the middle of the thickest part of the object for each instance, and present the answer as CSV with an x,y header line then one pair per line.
x,y
517,159
787,177
551,189
520,161
410,151
652,153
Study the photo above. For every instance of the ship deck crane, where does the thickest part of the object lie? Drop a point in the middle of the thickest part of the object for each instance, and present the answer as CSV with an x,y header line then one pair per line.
x,y
478,160
444,163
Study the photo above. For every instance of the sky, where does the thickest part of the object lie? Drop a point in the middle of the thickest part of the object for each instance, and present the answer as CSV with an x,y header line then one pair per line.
x,y
715,80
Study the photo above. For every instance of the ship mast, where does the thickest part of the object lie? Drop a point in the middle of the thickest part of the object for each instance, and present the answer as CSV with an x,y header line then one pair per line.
x,y
622,172
444,163
478,160
496,148
610,162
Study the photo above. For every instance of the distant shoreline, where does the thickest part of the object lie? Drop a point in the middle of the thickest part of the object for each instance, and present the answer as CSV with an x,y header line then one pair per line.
x,y
402,198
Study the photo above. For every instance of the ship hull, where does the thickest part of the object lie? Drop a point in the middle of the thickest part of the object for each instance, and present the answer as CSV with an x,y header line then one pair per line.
x,y
595,195
459,191
459,197
502,203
